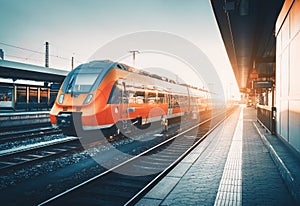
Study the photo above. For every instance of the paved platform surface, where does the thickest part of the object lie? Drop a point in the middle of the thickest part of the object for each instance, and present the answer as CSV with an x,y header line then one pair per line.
x,y
18,113
11,121
237,164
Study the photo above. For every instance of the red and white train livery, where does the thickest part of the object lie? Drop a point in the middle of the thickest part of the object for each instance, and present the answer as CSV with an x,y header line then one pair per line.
x,y
99,94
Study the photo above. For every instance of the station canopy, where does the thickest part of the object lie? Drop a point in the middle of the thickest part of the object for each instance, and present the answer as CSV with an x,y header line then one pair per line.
x,y
248,31
17,70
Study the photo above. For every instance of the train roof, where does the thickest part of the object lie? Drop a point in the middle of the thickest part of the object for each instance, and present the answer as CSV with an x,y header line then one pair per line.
x,y
17,70
107,64
110,64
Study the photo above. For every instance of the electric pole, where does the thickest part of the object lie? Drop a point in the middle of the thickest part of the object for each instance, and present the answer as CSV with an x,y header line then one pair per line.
x,y
133,55
47,55
72,63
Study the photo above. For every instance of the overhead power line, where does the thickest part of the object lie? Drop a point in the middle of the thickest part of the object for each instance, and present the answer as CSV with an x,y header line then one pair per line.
x,y
37,52
17,47
24,58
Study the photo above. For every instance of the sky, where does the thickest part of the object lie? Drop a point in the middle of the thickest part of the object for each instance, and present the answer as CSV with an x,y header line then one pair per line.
x,y
78,28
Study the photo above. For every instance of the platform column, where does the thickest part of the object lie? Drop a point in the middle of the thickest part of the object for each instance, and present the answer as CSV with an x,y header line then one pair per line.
x,y
27,97
14,97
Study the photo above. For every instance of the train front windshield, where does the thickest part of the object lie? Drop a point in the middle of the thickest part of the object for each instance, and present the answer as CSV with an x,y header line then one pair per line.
x,y
82,80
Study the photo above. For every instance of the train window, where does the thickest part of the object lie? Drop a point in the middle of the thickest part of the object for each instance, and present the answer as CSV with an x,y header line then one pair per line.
x,y
131,98
183,100
174,101
135,93
139,97
84,82
81,82
122,67
140,100
151,98
199,101
21,94
115,94
160,98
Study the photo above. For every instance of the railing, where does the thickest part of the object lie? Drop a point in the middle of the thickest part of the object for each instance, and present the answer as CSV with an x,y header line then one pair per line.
x,y
267,116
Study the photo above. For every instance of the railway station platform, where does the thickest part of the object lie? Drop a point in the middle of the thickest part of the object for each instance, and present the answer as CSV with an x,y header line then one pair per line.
x,y
13,120
239,163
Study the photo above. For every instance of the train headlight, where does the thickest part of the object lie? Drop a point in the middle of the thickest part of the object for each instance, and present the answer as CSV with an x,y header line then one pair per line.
x,y
88,99
61,99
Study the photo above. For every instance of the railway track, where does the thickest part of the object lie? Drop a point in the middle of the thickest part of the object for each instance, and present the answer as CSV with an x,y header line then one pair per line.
x,y
25,155
19,135
125,183
12,158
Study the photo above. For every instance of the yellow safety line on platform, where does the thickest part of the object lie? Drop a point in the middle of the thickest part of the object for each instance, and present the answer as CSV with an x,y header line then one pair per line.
x,y
230,188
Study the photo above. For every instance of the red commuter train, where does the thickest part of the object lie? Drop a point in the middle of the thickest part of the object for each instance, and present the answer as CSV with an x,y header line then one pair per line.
x,y
101,94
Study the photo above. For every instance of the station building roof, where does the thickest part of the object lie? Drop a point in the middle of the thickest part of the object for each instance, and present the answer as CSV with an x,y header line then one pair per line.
x,y
17,70
247,28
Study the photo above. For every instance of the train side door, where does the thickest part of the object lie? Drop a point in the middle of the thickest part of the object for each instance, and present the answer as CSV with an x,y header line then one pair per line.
x,y
124,103
169,105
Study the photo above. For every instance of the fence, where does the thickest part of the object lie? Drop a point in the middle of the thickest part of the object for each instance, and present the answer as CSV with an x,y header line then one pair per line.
x,y
267,116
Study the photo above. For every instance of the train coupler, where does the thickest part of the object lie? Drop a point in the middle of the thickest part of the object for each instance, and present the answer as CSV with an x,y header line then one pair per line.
x,y
70,122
